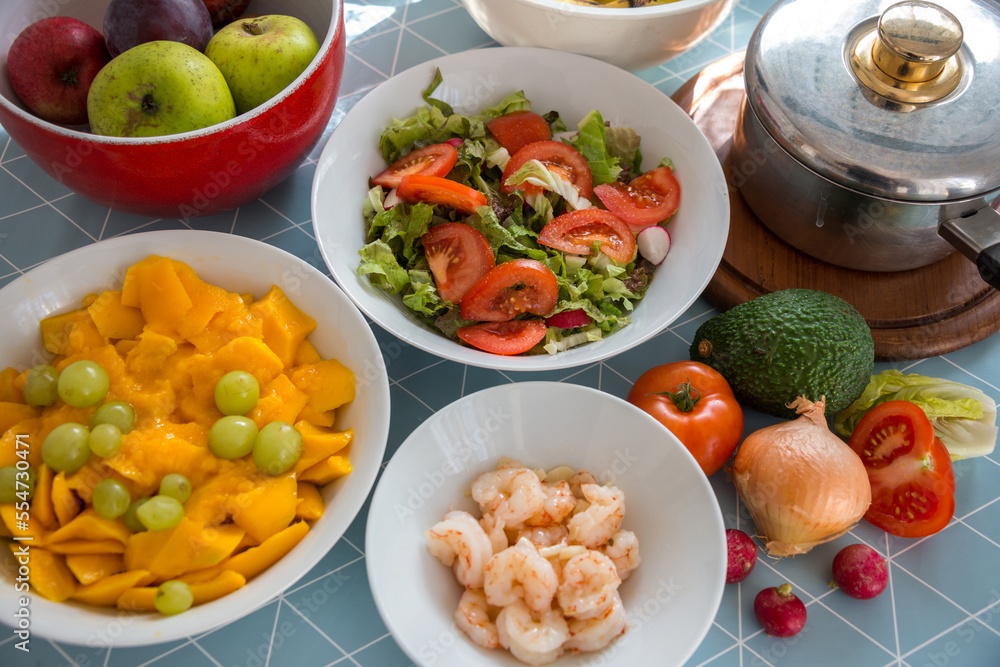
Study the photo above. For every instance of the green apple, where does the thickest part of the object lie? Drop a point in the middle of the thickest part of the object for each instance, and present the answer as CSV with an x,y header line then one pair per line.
x,y
158,88
260,56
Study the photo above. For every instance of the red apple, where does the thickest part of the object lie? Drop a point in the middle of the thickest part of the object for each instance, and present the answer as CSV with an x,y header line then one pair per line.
x,y
225,11
51,65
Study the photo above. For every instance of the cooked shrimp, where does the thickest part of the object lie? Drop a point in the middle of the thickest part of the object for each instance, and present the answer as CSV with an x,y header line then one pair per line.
x,y
535,639
546,536
623,550
514,494
459,541
520,573
593,634
494,529
473,618
603,517
558,504
588,585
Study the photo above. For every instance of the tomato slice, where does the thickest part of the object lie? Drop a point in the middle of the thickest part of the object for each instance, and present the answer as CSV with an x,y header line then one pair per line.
x,y
458,256
647,200
505,338
433,160
517,129
509,289
576,231
910,471
558,158
438,190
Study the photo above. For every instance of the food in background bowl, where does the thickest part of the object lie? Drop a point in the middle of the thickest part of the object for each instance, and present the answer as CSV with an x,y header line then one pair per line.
x,y
507,232
618,4
181,433
542,565
239,265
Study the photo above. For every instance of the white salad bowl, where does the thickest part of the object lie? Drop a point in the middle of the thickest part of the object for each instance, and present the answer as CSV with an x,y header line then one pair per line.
x,y
671,599
237,264
568,83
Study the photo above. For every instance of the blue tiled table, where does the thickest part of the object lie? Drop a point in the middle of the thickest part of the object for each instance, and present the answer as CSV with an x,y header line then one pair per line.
x,y
942,608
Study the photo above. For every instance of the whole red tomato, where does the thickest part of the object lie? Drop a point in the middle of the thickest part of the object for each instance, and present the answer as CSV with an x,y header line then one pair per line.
x,y
696,403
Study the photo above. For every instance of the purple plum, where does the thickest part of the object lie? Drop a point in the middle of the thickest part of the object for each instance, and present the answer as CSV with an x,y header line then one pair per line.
x,y
128,23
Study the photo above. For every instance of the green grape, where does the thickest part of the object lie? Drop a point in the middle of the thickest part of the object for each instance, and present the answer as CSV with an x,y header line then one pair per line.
x,y
131,520
105,440
16,485
236,393
116,413
83,383
111,499
65,448
176,486
41,387
160,513
277,447
232,437
173,597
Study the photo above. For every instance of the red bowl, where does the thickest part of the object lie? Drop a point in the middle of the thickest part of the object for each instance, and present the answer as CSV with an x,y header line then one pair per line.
x,y
194,173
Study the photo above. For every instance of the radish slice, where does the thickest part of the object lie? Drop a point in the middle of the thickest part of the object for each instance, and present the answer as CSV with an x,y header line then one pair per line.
x,y
391,199
454,141
569,319
654,243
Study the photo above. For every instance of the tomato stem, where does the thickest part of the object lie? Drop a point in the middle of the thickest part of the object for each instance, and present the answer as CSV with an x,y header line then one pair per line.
x,y
685,398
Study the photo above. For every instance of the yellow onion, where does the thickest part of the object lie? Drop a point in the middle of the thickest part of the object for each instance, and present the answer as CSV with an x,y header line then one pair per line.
x,y
801,484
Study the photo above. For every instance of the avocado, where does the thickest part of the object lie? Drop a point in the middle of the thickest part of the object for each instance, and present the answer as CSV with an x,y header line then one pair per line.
x,y
786,344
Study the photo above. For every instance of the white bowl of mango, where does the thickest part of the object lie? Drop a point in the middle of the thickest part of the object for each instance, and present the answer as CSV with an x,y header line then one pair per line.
x,y
229,497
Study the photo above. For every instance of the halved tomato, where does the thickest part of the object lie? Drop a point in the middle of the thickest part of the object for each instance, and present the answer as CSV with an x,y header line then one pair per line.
x,y
438,190
458,256
517,129
509,289
505,338
559,158
433,160
647,200
912,480
575,232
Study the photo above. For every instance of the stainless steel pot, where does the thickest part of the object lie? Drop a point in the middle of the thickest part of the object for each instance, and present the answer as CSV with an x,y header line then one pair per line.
x,y
870,133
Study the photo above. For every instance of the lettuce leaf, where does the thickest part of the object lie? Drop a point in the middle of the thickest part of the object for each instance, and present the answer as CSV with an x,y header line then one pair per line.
x,y
591,141
964,418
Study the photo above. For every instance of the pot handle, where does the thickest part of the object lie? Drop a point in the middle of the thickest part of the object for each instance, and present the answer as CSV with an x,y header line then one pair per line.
x,y
975,232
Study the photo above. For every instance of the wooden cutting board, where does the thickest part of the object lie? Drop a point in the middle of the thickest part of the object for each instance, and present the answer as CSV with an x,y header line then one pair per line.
x,y
913,314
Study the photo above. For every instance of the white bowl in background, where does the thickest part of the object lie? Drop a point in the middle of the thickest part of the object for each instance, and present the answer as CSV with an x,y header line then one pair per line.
x,y
634,38
573,85
241,265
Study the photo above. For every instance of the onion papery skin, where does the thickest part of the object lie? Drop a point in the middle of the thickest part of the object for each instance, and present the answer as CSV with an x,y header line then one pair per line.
x,y
802,487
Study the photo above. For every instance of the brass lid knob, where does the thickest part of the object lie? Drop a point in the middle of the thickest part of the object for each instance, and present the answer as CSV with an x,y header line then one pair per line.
x,y
915,40
912,54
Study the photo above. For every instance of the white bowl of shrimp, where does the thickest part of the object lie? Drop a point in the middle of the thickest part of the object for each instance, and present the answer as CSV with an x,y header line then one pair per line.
x,y
542,522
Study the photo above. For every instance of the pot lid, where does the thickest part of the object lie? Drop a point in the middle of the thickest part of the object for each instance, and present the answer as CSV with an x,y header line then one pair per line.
x,y
900,100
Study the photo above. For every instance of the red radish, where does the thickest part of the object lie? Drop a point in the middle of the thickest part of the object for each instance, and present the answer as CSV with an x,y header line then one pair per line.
x,y
391,199
860,571
454,141
779,611
654,243
569,319
741,554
